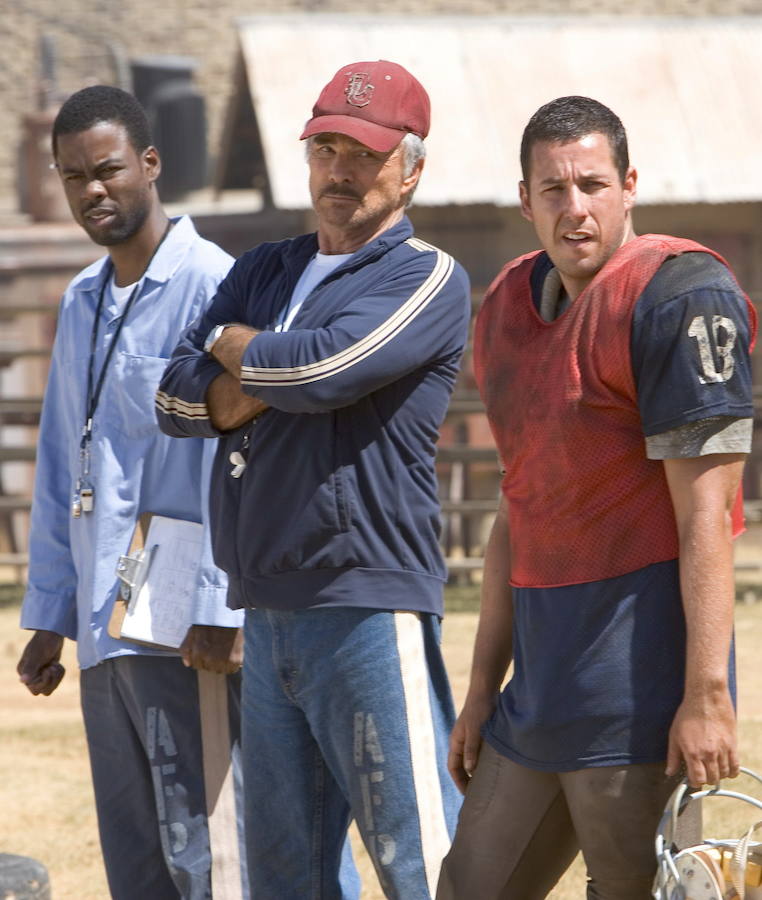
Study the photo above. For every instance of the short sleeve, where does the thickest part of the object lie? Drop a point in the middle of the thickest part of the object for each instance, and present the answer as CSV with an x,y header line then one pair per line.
x,y
690,345
717,434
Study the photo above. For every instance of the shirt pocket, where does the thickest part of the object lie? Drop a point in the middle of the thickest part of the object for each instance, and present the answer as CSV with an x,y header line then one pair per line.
x,y
128,405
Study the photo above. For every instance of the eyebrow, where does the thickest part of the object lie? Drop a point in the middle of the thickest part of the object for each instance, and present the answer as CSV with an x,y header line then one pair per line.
x,y
560,179
109,161
335,137
585,176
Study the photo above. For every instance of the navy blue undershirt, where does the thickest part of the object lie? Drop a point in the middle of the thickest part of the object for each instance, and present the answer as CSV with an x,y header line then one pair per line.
x,y
599,667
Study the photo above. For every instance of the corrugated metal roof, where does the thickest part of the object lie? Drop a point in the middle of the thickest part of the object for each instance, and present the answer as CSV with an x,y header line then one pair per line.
x,y
689,92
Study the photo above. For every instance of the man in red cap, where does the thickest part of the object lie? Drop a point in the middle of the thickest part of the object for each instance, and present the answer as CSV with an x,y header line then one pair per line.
x,y
325,365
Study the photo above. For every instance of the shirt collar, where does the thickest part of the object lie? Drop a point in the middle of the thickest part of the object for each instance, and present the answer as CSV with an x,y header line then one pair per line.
x,y
172,251
163,266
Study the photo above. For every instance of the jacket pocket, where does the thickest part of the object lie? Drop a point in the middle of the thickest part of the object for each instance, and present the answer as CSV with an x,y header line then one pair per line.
x,y
341,489
296,498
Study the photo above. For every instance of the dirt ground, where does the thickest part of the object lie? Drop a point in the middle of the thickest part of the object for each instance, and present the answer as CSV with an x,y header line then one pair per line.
x,y
46,797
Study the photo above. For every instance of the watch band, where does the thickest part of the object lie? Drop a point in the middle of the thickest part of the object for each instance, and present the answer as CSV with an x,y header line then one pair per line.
x,y
213,337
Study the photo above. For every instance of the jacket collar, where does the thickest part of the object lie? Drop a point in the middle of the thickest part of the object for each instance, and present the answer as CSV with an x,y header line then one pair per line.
x,y
300,250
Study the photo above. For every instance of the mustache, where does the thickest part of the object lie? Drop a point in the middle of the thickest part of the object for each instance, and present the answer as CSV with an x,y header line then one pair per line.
x,y
338,191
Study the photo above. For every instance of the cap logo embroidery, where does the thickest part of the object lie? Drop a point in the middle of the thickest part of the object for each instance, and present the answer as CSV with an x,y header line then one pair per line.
x,y
359,90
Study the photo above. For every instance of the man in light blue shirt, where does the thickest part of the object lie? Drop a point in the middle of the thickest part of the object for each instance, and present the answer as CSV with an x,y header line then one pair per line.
x,y
162,726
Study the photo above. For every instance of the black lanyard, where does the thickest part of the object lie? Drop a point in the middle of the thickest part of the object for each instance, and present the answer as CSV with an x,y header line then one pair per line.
x,y
93,396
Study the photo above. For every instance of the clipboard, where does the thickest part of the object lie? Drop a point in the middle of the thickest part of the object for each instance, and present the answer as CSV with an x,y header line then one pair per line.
x,y
157,578
120,603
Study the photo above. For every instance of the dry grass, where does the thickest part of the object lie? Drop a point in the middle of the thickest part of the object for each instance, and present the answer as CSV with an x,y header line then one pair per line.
x,y
46,797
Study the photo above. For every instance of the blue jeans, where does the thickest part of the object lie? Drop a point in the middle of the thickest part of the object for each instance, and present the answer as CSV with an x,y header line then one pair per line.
x,y
346,714
169,825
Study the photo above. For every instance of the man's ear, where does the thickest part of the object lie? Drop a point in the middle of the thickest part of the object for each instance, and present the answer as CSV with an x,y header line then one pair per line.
x,y
526,206
629,188
411,180
151,163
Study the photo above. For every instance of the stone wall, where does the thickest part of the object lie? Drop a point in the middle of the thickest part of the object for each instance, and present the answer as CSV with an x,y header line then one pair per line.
x,y
93,40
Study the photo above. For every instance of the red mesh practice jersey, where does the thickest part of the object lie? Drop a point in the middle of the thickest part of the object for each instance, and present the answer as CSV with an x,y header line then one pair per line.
x,y
585,503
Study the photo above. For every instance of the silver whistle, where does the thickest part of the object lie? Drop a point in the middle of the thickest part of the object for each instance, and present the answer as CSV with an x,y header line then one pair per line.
x,y
239,463
86,499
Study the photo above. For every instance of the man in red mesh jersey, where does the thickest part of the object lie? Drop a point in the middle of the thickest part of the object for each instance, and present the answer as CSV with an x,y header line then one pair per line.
x,y
615,373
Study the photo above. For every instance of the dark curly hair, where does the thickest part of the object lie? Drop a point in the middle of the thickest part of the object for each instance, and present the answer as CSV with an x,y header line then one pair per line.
x,y
102,103
569,119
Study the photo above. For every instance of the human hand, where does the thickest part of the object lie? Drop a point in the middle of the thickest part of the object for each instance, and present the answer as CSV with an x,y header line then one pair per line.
x,y
213,648
39,667
703,737
231,345
466,739
228,406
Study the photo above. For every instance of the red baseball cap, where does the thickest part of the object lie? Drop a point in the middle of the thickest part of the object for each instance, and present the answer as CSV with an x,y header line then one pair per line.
x,y
375,103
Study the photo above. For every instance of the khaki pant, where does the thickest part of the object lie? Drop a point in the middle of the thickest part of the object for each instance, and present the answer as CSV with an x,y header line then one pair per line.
x,y
519,829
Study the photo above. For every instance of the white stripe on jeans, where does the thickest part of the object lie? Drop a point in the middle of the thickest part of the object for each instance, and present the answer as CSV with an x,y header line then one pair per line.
x,y
435,839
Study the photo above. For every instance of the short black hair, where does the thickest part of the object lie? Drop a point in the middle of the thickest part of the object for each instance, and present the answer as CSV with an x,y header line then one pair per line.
x,y
103,103
568,119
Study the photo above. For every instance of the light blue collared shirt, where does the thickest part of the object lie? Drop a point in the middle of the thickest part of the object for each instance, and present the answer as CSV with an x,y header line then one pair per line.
x,y
134,467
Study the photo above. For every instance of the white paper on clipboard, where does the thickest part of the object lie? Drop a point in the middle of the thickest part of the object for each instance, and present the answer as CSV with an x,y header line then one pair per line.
x,y
161,613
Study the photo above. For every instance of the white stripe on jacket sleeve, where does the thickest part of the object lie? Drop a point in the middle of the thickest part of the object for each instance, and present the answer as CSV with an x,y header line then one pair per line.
x,y
366,346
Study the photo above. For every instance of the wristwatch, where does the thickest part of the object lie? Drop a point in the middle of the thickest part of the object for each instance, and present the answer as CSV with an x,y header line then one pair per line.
x,y
213,337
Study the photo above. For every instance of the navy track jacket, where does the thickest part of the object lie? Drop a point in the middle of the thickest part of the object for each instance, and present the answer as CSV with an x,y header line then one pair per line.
x,y
338,503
